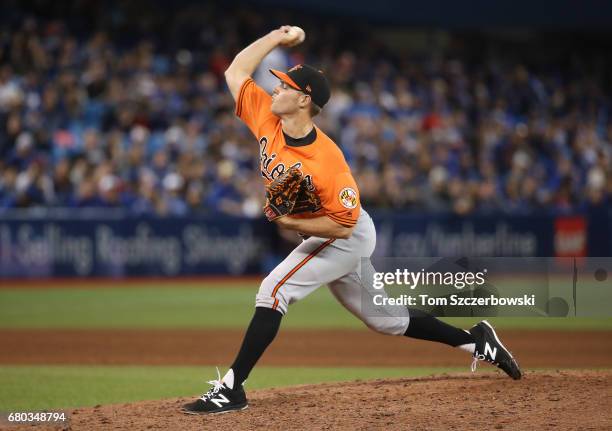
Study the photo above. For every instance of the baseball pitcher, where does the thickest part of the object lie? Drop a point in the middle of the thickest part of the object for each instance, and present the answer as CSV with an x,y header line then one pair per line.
x,y
310,189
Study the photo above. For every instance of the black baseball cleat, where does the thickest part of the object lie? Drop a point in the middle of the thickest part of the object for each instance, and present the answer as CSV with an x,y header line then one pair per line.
x,y
490,349
219,399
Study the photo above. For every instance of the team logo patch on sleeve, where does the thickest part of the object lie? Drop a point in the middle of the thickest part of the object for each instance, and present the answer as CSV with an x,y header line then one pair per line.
x,y
348,198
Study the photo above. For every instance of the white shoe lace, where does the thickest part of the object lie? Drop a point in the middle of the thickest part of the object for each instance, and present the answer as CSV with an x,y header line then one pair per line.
x,y
217,385
477,357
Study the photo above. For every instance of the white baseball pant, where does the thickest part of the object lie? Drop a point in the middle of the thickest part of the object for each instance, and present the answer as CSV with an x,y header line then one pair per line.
x,y
342,264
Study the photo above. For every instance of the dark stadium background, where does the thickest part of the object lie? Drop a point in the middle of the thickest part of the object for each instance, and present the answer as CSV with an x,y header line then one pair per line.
x,y
463,121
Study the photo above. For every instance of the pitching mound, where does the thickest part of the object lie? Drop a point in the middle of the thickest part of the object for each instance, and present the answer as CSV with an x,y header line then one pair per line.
x,y
563,400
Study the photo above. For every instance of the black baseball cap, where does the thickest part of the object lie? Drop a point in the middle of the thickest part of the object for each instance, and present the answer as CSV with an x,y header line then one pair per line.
x,y
307,79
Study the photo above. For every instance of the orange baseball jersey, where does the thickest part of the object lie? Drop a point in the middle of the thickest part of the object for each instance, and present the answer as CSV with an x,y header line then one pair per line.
x,y
317,156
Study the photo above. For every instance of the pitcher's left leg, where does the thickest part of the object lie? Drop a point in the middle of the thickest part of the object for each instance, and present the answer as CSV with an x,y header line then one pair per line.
x,y
356,293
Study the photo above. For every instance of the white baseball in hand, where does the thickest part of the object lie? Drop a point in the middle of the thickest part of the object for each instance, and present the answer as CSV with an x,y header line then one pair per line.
x,y
296,36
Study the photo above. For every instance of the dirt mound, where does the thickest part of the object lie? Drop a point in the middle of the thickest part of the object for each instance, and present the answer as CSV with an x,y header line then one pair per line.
x,y
562,400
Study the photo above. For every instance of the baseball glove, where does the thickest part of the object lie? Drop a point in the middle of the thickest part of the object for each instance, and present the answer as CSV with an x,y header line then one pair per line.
x,y
307,200
282,193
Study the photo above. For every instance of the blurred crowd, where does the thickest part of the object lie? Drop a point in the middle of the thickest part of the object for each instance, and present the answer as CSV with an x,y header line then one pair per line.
x,y
91,119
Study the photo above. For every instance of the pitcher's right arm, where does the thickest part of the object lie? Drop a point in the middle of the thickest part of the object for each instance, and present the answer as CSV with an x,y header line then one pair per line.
x,y
248,59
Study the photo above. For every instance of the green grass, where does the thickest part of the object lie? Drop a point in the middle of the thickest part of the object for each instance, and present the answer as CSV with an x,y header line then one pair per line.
x,y
27,388
117,307
156,307
183,305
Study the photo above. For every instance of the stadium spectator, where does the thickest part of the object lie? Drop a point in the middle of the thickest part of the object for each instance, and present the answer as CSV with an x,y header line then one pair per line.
x,y
89,117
